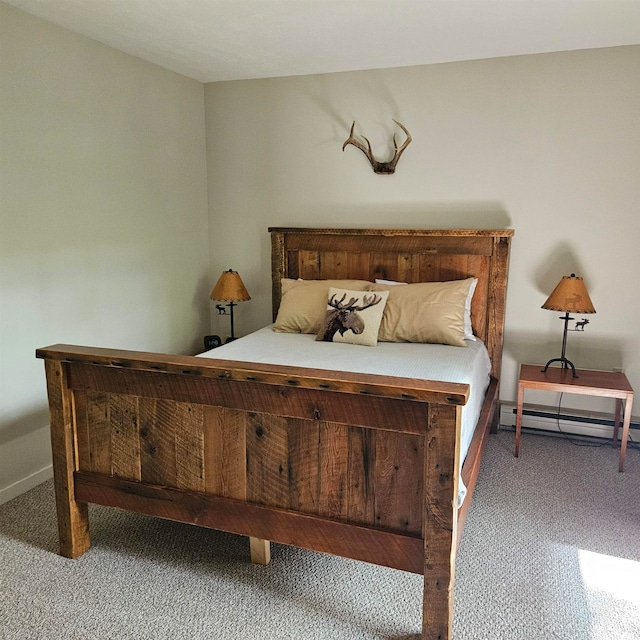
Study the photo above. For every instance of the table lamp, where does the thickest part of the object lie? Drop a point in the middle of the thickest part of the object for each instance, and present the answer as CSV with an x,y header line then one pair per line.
x,y
570,295
230,289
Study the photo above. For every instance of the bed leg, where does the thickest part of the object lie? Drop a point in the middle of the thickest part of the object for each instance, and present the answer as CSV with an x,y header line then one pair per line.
x,y
494,424
73,517
260,550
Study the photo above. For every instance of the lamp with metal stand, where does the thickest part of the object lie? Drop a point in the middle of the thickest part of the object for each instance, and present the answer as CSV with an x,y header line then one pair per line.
x,y
570,295
230,289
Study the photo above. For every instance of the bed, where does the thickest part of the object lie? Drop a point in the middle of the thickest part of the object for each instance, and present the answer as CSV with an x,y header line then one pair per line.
x,y
361,465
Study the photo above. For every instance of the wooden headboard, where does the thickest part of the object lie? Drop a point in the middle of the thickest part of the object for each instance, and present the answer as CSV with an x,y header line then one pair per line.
x,y
406,255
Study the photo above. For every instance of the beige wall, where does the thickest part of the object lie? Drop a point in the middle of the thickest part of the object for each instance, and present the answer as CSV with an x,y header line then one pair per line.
x,y
546,144
103,217
103,203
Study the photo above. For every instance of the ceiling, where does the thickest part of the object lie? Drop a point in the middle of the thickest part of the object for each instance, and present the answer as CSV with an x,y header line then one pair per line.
x,y
213,40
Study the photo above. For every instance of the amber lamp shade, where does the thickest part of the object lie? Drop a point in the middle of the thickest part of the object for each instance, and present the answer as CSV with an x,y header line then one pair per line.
x,y
570,296
230,289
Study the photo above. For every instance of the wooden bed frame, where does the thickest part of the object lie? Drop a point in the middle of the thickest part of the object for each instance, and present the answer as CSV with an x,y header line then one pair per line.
x,y
360,466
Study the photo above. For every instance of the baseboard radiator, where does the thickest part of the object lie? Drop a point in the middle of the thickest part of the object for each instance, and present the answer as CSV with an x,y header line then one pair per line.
x,y
573,421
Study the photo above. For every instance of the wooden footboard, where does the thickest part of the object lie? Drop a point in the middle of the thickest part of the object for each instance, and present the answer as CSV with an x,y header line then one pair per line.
x,y
359,466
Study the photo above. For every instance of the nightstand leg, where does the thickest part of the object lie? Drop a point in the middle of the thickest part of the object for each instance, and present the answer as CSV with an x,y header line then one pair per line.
x,y
519,417
616,424
625,431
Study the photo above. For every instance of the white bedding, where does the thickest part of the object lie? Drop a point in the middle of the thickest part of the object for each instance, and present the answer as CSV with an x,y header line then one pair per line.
x,y
469,365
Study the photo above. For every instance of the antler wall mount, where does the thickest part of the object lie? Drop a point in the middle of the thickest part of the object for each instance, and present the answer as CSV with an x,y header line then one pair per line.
x,y
379,167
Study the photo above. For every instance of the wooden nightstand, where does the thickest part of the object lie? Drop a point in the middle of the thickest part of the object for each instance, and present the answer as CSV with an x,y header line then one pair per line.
x,y
594,383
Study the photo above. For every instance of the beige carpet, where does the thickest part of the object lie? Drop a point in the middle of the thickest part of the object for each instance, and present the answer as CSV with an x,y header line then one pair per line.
x,y
551,550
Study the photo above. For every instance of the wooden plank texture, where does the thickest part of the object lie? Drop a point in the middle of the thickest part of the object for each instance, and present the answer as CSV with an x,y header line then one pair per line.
x,y
259,521
225,452
125,440
361,488
398,482
99,432
303,437
158,441
360,406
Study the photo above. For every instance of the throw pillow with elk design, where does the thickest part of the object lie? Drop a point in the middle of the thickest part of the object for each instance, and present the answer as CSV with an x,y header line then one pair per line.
x,y
353,317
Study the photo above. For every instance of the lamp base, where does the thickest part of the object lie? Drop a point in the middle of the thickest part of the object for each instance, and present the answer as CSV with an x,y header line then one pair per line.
x,y
566,364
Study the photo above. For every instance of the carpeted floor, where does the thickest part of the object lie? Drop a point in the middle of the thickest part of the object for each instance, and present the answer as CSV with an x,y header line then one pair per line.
x,y
551,550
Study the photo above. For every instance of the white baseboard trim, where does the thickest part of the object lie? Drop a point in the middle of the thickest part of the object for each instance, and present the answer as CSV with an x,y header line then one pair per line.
x,y
25,484
594,424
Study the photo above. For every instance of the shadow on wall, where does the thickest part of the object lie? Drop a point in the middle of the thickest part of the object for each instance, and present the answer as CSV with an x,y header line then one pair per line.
x,y
23,425
202,304
373,101
584,350
408,215
561,260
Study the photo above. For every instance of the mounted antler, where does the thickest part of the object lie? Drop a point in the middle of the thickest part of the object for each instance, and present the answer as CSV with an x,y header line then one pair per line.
x,y
379,167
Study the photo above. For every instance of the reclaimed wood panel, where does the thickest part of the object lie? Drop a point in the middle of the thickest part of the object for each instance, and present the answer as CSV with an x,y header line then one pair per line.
x,y
118,371
358,265
99,432
303,437
269,523
189,428
384,266
158,441
408,267
294,265
394,240
496,303
361,486
334,461
267,460
364,408
307,266
479,268
398,482
333,265
225,452
80,409
125,440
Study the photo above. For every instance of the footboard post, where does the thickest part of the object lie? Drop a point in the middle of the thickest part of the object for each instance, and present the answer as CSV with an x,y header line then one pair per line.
x,y
73,519
441,478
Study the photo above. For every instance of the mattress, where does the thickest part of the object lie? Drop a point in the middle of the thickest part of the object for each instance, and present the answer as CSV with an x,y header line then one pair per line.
x,y
470,365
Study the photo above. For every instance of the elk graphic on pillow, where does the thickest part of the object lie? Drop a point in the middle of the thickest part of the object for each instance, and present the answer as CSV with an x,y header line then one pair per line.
x,y
343,316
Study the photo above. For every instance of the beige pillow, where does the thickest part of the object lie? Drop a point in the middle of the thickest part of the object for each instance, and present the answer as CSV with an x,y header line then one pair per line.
x,y
468,327
352,316
303,303
425,312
